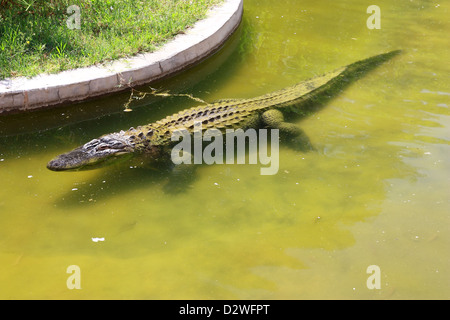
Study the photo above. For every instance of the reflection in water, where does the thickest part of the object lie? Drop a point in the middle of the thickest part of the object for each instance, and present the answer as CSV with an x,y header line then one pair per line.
x,y
374,192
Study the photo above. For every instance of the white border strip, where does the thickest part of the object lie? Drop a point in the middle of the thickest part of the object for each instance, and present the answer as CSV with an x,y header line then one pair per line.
x,y
22,94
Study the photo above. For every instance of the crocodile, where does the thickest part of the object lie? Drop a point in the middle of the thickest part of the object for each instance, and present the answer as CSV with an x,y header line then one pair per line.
x,y
153,141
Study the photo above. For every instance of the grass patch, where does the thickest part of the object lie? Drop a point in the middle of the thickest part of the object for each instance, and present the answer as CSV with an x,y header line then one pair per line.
x,y
35,37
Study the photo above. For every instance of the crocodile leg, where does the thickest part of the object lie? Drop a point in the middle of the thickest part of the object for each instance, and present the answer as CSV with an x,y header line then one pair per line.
x,y
295,136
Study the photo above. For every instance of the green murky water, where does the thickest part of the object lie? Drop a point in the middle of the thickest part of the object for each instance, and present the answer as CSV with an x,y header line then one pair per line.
x,y
376,191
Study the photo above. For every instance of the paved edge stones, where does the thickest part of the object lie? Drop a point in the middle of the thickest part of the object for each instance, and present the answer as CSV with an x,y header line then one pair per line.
x,y
206,37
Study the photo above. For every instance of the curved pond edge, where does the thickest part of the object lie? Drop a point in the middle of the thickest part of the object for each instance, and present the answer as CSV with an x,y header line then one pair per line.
x,y
185,50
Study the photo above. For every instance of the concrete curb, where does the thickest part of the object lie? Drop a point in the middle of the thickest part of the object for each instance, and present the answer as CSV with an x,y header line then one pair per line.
x,y
207,36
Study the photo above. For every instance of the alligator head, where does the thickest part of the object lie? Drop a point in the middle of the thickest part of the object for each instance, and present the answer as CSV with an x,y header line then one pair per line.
x,y
94,154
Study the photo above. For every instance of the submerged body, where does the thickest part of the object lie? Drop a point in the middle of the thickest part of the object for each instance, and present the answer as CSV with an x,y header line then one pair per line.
x,y
154,140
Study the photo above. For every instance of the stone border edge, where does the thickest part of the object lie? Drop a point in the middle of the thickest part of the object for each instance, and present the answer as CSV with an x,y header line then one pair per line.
x,y
185,50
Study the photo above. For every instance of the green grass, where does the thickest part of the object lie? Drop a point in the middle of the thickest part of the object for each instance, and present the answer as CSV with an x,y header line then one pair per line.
x,y
35,38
